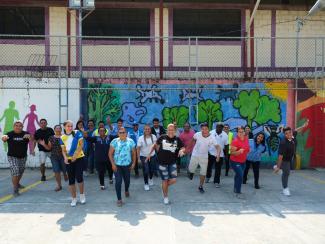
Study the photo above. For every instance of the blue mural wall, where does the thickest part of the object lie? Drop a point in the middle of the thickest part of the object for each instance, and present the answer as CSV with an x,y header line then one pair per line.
x,y
260,104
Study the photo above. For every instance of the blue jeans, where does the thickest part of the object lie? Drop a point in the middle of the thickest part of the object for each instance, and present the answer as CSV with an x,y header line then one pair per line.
x,y
122,173
148,168
239,173
91,159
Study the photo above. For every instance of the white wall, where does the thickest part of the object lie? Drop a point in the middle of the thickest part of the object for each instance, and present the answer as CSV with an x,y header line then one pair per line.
x,y
46,101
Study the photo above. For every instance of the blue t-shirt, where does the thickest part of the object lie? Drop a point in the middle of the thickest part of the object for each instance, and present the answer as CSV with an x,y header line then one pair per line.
x,y
123,151
256,151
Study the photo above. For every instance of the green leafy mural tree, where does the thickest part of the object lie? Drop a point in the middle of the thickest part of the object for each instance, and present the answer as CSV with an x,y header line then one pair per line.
x,y
103,103
209,112
254,107
179,114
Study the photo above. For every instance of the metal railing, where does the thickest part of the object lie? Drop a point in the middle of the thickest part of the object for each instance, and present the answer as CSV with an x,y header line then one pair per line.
x,y
182,57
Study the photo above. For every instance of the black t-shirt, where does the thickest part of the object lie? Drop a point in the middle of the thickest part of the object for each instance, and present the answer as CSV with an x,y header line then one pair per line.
x,y
169,148
17,145
41,134
287,149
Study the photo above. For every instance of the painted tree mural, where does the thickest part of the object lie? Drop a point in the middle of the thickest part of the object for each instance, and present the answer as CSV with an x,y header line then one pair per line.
x,y
257,108
209,111
179,114
103,102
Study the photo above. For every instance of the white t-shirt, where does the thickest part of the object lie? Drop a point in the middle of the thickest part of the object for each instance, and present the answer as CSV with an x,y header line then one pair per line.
x,y
146,145
202,145
221,140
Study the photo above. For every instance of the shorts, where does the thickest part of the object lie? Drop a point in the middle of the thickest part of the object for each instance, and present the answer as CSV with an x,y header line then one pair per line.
x,y
17,165
196,161
58,165
43,156
168,171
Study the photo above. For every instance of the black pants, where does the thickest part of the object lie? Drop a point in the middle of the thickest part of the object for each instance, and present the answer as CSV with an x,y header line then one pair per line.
x,y
75,171
212,161
136,166
102,166
122,174
227,158
256,170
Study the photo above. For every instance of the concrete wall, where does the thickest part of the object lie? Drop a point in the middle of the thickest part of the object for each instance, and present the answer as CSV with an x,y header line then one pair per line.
x,y
46,102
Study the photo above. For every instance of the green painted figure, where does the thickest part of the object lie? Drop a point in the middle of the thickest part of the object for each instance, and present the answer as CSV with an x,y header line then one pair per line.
x,y
10,115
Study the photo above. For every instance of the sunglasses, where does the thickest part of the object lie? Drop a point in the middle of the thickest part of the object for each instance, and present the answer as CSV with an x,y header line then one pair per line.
x,y
122,132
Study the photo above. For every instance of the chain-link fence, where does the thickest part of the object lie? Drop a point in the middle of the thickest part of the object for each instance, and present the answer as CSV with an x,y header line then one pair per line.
x,y
170,58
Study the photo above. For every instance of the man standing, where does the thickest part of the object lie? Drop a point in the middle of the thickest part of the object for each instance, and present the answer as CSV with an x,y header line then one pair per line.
x,y
157,129
169,147
90,146
114,130
135,134
285,158
221,139
17,153
43,134
230,135
186,137
122,154
203,141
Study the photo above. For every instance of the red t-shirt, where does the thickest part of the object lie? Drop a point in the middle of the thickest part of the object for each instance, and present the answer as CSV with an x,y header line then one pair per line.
x,y
186,138
241,158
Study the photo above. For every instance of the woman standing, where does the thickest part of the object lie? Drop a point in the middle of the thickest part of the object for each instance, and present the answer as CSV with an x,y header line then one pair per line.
x,y
148,160
72,151
81,128
239,149
257,148
57,159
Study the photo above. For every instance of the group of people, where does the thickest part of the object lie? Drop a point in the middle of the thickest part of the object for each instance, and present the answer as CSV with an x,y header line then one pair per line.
x,y
76,151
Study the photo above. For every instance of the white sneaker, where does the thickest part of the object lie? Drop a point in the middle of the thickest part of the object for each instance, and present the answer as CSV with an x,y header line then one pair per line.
x,y
217,185
166,200
150,182
286,191
146,187
73,202
82,198
102,187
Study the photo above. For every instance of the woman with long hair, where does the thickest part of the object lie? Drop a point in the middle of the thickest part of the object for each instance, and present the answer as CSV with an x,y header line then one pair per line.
x,y
144,145
257,148
72,150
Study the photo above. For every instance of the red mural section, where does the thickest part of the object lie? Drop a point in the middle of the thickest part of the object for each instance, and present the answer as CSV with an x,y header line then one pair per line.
x,y
311,141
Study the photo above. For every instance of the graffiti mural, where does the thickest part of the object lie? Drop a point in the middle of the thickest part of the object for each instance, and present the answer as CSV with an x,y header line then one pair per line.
x,y
103,101
252,104
311,104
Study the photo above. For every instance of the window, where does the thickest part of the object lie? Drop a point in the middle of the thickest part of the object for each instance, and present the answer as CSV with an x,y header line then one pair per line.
x,y
22,21
206,22
117,22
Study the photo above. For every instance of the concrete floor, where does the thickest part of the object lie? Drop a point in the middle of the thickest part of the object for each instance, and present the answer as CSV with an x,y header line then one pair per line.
x,y
41,215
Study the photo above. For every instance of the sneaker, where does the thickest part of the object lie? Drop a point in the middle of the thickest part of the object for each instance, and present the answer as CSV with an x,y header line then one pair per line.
x,y
239,196
217,185
257,187
190,175
150,182
85,173
146,187
286,191
20,186
119,203
111,182
82,198
73,202
207,180
127,194
16,193
201,190
102,187
166,200
43,178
